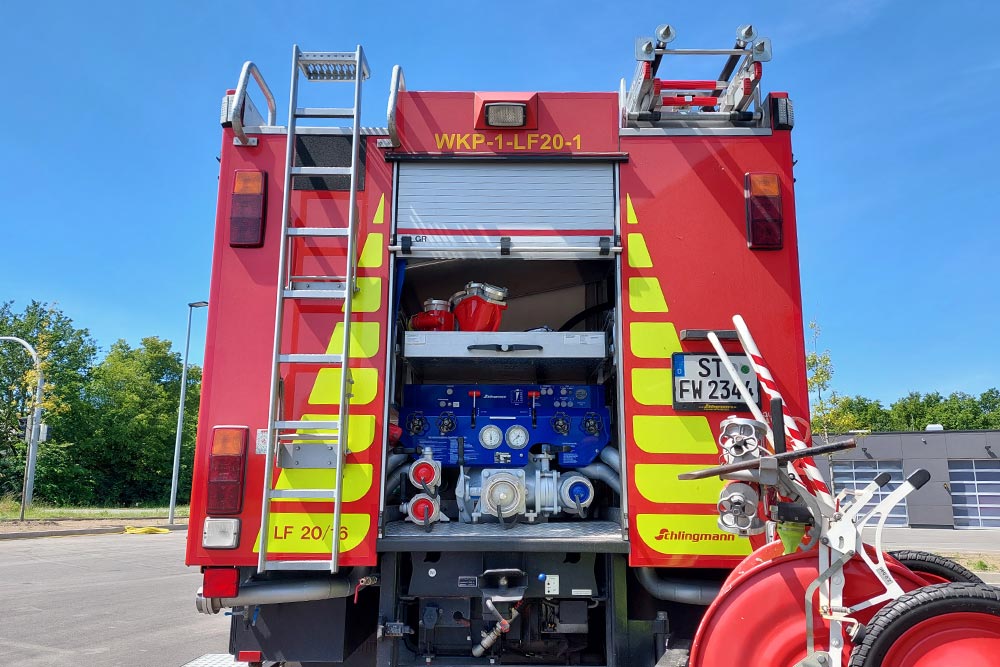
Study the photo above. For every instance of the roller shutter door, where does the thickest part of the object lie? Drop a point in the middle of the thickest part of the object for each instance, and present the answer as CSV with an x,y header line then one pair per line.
x,y
551,204
975,492
858,474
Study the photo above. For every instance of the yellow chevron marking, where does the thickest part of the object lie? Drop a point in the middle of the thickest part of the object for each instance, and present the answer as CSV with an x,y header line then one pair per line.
x,y
357,481
629,211
365,339
326,390
371,254
638,253
658,483
368,298
658,434
379,212
689,534
644,296
652,386
309,532
653,340
360,431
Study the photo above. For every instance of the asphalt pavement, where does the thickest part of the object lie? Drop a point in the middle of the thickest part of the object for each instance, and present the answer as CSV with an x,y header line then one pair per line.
x,y
103,600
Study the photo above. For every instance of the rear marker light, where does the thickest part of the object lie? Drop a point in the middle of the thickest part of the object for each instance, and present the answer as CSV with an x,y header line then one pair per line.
x,y
221,582
763,210
226,470
505,114
219,534
246,211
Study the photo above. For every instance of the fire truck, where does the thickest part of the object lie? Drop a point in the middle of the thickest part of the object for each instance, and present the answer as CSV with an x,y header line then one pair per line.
x,y
518,379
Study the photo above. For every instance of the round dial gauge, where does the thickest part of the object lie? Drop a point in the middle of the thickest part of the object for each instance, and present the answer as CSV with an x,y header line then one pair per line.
x,y
517,437
490,437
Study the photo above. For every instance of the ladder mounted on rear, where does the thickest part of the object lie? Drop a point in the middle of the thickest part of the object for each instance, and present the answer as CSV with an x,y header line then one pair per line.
x,y
324,437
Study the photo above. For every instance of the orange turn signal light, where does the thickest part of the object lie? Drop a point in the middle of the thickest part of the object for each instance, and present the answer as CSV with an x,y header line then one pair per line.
x,y
228,441
248,183
764,185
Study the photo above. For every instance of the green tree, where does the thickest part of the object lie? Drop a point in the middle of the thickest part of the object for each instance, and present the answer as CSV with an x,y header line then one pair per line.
x,y
67,354
819,369
133,396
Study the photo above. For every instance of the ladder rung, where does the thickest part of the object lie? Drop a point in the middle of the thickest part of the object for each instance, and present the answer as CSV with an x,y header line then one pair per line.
x,y
317,290
304,493
311,358
317,231
306,423
324,565
321,171
330,112
323,438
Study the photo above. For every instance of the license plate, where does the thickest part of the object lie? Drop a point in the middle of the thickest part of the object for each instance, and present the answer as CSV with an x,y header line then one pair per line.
x,y
701,382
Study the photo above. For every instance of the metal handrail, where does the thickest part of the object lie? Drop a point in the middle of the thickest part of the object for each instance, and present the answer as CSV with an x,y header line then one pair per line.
x,y
396,86
236,111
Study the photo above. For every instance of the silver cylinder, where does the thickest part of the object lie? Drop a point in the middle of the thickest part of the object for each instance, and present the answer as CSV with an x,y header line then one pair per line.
x,y
604,473
278,592
613,458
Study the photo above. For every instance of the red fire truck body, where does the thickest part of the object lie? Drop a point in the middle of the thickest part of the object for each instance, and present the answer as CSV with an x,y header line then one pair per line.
x,y
518,307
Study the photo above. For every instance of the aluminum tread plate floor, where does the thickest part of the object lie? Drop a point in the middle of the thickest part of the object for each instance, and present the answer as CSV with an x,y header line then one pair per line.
x,y
215,660
579,536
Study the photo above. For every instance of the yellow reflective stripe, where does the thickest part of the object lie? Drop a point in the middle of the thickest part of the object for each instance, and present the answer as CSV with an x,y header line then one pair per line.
x,y
653,340
658,483
368,298
379,211
629,211
644,296
690,535
365,339
652,386
638,253
371,254
326,390
658,434
310,532
360,431
357,481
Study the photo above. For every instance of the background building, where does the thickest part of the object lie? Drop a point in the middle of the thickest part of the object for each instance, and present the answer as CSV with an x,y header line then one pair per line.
x,y
964,491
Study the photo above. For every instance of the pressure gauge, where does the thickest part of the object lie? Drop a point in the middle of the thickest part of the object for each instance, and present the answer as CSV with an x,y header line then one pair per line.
x,y
517,437
490,437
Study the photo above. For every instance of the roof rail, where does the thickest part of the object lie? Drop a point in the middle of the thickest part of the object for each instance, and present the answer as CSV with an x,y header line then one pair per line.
x,y
234,113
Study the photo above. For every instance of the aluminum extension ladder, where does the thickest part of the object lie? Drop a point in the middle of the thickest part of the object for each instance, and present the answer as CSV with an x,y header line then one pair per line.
x,y
314,66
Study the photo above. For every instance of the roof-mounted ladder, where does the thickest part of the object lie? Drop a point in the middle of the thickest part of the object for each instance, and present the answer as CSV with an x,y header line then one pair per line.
x,y
321,445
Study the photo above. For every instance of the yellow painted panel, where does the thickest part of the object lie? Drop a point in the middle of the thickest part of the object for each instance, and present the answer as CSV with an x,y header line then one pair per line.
x,y
658,483
380,211
653,340
638,253
645,296
658,434
690,535
372,253
365,339
368,298
360,431
652,386
309,532
357,481
629,211
326,390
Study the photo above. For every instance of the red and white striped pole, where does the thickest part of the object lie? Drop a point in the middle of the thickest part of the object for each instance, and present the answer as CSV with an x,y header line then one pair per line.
x,y
806,468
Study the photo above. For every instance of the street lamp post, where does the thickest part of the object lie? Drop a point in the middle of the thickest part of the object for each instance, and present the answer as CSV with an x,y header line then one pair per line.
x,y
180,414
36,427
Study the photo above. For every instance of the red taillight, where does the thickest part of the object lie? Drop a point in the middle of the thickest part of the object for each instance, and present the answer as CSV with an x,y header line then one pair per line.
x,y
764,217
221,582
246,211
226,468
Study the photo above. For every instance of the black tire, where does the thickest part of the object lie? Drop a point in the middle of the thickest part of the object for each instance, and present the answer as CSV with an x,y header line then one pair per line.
x,y
901,614
939,566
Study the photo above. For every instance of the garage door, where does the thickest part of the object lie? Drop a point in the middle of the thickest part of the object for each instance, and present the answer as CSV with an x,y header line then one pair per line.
x,y
858,474
975,493
562,207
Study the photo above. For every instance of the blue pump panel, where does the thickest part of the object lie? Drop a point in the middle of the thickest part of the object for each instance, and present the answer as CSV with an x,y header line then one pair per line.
x,y
501,424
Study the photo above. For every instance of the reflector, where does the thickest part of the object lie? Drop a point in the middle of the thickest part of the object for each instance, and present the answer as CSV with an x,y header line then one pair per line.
x,y
221,582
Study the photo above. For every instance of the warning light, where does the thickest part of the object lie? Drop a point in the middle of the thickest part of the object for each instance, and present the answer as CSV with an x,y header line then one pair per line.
x,y
505,114
227,470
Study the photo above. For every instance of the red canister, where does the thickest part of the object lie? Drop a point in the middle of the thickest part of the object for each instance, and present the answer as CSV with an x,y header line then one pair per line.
x,y
479,307
437,316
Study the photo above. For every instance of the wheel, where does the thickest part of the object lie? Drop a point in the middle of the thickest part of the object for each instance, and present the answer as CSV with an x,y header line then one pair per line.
x,y
935,569
944,625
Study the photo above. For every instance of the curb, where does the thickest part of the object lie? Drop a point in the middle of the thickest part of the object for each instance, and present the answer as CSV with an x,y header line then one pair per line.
x,y
72,532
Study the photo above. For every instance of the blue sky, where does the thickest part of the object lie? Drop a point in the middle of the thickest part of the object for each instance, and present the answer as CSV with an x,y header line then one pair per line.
x,y
108,162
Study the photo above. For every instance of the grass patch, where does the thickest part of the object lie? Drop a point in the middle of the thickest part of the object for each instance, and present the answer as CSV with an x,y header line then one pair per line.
x,y
977,562
10,509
